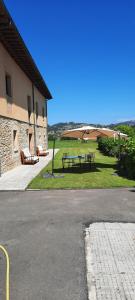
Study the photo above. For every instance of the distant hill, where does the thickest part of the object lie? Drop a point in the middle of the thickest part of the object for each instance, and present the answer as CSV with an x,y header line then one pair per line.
x,y
57,129
130,123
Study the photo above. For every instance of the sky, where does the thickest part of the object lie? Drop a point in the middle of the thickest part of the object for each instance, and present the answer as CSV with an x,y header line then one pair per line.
x,y
85,50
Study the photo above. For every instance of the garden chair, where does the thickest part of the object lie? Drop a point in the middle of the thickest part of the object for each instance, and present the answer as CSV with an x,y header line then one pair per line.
x,y
92,154
90,158
41,151
27,158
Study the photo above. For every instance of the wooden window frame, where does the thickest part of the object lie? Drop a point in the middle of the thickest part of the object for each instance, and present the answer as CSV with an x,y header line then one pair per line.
x,y
36,111
43,113
29,107
8,86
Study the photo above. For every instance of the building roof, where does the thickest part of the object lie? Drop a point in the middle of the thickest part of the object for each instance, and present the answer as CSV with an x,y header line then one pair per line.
x,y
14,44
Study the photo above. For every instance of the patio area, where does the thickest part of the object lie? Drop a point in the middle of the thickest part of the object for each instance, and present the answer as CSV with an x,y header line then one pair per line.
x,y
19,177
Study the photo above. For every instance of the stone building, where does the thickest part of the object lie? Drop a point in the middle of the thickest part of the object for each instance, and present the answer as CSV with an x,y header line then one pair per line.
x,y
23,96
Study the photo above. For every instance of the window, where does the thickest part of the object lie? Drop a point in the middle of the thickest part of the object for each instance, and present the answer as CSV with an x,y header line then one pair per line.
x,y
8,85
15,141
36,111
45,108
29,107
43,113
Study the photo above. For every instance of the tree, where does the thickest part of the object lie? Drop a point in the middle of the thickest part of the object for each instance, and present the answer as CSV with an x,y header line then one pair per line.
x,y
127,129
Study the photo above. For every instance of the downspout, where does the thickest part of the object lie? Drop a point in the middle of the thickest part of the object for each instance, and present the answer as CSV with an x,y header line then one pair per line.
x,y
46,123
33,100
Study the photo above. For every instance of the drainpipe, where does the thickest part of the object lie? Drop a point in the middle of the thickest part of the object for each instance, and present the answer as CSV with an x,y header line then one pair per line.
x,y
46,129
33,99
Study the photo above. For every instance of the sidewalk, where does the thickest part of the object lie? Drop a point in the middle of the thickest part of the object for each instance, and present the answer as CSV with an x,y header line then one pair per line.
x,y
19,177
110,256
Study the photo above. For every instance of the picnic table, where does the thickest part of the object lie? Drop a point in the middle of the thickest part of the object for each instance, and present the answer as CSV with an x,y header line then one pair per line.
x,y
72,159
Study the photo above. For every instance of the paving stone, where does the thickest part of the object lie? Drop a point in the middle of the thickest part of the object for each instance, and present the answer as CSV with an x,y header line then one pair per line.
x,y
19,177
110,258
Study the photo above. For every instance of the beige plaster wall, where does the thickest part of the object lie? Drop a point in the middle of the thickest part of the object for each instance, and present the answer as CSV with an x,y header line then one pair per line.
x,y
21,88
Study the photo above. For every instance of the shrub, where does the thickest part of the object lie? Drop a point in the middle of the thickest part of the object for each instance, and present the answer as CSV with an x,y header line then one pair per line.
x,y
108,146
123,150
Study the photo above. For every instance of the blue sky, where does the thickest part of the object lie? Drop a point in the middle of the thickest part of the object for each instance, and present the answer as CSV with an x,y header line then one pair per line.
x,y
85,50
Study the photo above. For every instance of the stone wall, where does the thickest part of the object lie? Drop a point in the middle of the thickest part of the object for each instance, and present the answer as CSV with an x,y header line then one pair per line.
x,y
41,137
9,155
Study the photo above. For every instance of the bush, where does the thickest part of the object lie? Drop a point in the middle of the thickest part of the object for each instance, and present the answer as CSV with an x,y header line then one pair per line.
x,y
127,159
123,150
108,146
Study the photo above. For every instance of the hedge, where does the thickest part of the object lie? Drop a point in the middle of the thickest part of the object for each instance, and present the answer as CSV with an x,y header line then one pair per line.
x,y
123,150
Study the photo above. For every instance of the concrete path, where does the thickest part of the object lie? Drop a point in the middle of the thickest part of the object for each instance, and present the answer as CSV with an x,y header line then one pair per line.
x,y
110,252
19,177
44,233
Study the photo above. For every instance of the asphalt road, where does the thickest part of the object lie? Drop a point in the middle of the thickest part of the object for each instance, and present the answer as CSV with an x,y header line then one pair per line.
x,y
43,232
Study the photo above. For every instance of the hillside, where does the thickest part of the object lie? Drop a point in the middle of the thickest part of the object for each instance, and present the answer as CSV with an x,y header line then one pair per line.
x,y
130,123
57,129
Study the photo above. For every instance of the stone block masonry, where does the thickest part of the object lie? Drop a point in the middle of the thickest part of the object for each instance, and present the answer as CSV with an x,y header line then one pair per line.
x,y
14,136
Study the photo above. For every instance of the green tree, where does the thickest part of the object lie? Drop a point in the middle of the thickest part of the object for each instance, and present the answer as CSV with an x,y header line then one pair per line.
x,y
127,129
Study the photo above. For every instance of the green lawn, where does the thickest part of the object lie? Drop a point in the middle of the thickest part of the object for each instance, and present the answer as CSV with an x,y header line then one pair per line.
x,y
102,175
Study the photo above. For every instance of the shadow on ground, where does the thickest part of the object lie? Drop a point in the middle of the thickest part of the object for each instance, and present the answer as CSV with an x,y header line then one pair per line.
x,y
85,168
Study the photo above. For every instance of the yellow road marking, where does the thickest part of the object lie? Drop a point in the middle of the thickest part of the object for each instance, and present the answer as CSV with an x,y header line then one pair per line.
x,y
7,271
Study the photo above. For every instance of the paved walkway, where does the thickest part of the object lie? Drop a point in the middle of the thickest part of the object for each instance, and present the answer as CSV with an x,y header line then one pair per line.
x,y
19,177
43,232
110,249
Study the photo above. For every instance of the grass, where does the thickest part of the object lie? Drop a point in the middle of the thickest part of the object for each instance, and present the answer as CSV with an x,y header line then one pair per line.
x,y
101,175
